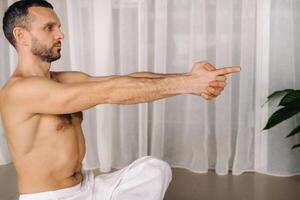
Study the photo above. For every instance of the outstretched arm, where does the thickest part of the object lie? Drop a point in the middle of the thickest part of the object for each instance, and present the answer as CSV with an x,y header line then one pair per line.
x,y
213,90
41,95
77,76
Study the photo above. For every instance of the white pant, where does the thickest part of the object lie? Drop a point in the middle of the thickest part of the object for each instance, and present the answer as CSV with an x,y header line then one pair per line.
x,y
145,179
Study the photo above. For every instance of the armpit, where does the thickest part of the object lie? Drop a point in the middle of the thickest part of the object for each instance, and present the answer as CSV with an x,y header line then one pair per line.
x,y
78,115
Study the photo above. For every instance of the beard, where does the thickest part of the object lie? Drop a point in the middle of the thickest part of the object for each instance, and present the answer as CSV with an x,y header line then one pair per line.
x,y
43,52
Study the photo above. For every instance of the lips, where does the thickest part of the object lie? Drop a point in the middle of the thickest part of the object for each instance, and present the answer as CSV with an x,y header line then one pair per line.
x,y
58,44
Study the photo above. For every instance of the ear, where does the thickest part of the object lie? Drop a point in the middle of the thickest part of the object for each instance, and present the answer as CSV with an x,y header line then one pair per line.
x,y
21,36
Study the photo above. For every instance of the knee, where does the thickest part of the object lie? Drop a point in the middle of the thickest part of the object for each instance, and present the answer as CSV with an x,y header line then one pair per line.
x,y
147,176
159,168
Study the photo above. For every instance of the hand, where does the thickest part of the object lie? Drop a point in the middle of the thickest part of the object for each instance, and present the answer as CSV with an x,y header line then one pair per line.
x,y
207,81
216,87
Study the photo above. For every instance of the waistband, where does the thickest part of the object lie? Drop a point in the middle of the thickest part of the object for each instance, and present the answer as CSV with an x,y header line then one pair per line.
x,y
61,193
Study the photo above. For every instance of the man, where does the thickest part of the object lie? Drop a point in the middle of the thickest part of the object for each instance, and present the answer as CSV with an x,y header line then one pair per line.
x,y
41,113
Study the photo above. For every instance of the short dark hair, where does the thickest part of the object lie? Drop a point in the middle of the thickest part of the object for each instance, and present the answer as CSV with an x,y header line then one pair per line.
x,y
17,16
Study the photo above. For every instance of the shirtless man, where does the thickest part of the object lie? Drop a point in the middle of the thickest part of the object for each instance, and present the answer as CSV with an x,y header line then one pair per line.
x,y
41,109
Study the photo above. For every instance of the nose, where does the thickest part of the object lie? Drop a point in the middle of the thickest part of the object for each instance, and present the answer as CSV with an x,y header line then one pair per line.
x,y
60,35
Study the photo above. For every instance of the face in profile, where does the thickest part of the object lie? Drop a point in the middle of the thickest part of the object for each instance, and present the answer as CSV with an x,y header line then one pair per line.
x,y
45,52
45,34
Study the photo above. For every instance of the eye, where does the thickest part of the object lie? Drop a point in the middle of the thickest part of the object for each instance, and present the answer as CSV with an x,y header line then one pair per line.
x,y
49,28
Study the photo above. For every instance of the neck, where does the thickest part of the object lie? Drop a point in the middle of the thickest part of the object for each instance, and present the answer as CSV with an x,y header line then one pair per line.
x,y
31,65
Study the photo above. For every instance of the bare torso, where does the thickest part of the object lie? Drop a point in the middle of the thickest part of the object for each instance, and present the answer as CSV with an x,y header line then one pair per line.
x,y
47,150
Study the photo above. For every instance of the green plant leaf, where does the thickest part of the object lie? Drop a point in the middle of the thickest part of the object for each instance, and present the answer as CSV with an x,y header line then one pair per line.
x,y
291,98
296,146
294,132
281,115
277,94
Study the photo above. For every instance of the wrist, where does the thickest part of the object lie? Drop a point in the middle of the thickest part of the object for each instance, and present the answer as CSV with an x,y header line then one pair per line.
x,y
183,83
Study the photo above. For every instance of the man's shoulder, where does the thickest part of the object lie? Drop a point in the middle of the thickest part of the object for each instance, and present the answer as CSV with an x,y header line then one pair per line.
x,y
13,82
5,89
19,84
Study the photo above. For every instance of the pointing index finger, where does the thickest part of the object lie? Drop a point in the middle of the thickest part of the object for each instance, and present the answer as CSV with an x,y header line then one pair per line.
x,y
227,70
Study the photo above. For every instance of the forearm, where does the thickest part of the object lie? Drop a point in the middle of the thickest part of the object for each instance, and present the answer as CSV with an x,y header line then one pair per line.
x,y
135,75
132,90
151,75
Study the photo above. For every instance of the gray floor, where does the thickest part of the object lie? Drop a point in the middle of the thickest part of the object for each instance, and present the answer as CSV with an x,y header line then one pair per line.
x,y
189,186
248,186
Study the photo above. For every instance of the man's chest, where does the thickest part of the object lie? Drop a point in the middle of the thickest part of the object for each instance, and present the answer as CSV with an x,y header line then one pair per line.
x,y
42,130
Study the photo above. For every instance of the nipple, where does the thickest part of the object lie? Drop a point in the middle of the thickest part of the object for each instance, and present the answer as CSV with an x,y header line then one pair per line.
x,y
65,120
60,126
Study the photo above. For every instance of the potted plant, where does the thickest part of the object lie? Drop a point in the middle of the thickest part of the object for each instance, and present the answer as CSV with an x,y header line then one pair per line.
x,y
288,107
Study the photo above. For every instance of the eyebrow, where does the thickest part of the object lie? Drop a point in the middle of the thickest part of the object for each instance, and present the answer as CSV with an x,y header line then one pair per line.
x,y
51,24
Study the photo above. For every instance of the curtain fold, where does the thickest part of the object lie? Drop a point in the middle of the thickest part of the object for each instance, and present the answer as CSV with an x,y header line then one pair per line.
x,y
167,36
245,51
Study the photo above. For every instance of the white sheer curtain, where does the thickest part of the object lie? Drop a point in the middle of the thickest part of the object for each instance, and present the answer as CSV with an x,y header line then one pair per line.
x,y
166,36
